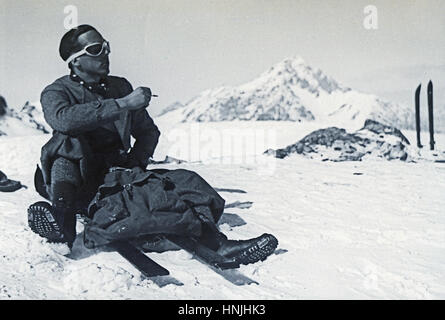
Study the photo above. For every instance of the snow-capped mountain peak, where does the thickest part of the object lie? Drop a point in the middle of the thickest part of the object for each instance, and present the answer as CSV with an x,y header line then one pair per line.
x,y
295,71
292,90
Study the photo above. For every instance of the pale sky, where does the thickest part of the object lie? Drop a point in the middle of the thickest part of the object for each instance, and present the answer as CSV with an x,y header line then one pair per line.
x,y
181,47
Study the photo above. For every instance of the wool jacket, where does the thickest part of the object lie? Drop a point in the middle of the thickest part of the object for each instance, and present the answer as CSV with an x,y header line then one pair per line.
x,y
72,111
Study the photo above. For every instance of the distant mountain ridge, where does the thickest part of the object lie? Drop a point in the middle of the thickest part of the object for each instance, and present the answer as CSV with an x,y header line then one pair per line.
x,y
291,90
28,121
172,107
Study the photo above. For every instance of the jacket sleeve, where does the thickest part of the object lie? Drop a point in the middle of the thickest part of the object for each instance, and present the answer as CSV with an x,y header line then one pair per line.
x,y
146,134
74,119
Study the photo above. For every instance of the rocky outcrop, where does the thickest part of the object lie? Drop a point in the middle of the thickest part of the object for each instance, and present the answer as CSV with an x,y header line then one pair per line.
x,y
3,111
3,106
34,116
28,121
335,144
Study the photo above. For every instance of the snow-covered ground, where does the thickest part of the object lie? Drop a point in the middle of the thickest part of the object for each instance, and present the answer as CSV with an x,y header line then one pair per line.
x,y
347,230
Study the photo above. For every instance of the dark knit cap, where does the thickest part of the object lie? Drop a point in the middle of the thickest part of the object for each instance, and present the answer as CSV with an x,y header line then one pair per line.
x,y
69,44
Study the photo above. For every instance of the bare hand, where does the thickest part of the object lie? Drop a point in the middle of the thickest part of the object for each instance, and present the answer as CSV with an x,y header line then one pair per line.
x,y
139,98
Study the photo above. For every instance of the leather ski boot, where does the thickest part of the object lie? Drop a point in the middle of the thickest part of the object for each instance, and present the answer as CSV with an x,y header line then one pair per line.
x,y
57,223
249,251
42,221
242,251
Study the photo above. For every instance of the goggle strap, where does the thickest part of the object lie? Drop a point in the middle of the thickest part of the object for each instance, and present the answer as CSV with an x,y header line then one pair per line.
x,y
76,55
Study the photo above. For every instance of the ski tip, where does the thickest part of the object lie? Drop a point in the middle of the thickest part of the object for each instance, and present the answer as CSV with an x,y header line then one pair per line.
x,y
418,90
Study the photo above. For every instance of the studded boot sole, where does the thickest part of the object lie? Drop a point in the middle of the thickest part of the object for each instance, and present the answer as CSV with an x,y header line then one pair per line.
x,y
42,222
260,249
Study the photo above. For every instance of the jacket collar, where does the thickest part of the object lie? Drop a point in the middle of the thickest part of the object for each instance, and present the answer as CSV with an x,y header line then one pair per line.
x,y
100,87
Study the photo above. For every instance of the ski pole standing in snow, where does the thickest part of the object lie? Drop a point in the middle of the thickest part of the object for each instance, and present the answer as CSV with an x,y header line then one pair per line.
x,y
417,103
430,114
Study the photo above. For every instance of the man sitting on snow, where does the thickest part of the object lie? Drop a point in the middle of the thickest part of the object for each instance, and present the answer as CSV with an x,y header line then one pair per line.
x,y
93,115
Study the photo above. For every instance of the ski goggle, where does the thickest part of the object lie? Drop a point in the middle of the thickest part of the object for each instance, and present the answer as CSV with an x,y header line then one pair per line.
x,y
93,50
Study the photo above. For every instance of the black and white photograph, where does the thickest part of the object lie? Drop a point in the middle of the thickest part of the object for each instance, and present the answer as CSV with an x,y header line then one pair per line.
x,y
222,150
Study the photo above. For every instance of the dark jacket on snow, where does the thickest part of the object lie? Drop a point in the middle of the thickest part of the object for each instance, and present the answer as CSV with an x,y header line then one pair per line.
x,y
73,111
133,203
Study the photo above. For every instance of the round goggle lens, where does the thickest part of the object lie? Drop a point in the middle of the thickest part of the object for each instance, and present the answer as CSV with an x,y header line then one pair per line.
x,y
95,49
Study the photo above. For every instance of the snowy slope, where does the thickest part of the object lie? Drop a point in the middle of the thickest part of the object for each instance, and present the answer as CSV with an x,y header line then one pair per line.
x,y
366,230
27,121
292,90
172,107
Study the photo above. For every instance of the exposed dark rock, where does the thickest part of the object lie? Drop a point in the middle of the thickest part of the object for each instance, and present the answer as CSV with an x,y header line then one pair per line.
x,y
3,106
378,128
30,116
30,111
335,144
